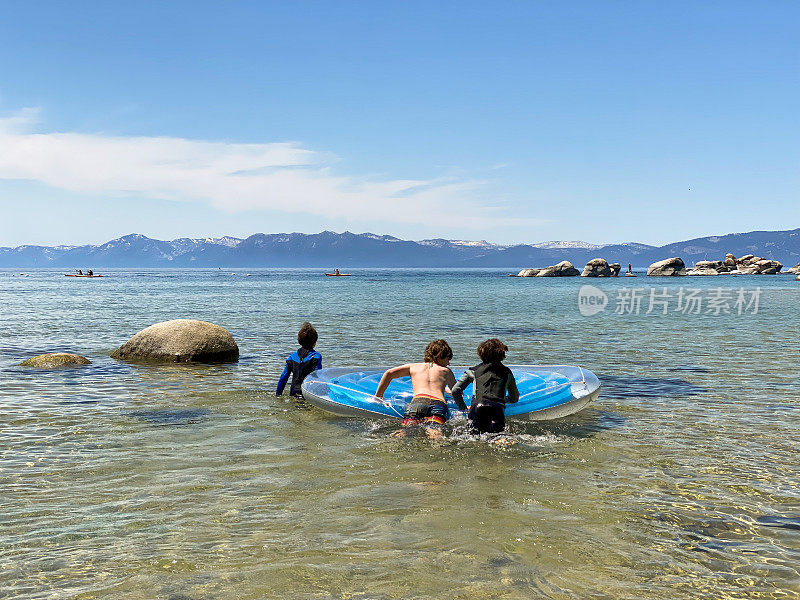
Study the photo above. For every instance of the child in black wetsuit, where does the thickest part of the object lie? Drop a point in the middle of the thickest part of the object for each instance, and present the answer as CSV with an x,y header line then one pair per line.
x,y
494,387
302,362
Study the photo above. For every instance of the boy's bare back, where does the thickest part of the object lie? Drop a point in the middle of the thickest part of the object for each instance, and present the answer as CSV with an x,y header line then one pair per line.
x,y
430,379
426,378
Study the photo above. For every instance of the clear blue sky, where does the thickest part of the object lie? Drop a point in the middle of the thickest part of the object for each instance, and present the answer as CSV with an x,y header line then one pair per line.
x,y
512,122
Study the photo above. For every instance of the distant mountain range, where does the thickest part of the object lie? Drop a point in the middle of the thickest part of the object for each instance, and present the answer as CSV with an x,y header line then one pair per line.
x,y
348,250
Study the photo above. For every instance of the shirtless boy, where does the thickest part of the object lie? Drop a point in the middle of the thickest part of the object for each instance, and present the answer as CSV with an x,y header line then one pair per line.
x,y
429,380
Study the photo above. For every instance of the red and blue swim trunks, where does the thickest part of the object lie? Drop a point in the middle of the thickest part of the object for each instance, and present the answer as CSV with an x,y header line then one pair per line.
x,y
426,410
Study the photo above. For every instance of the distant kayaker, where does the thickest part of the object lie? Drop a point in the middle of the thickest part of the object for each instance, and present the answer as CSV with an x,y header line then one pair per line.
x,y
80,272
629,268
91,272
336,271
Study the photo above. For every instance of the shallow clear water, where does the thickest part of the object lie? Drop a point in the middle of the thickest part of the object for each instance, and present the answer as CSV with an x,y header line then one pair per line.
x,y
179,482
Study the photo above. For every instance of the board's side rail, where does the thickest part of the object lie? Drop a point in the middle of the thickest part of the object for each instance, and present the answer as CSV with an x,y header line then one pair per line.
x,y
367,397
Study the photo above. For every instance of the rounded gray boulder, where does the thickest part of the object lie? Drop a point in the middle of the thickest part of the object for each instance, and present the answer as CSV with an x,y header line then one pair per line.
x,y
597,267
180,340
528,272
562,269
666,268
54,360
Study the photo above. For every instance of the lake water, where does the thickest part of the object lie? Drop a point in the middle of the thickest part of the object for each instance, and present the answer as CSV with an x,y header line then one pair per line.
x,y
195,482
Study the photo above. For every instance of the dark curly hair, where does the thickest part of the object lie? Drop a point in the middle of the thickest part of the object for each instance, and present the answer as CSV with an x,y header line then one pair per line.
x,y
307,336
492,350
437,350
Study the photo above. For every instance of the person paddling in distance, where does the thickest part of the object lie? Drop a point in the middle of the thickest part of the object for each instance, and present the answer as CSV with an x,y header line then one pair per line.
x,y
430,380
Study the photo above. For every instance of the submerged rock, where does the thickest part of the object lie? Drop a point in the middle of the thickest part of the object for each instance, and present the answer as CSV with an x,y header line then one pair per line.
x,y
181,340
666,268
55,360
597,267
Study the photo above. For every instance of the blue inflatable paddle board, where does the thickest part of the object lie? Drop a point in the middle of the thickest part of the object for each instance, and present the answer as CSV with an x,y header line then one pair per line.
x,y
545,392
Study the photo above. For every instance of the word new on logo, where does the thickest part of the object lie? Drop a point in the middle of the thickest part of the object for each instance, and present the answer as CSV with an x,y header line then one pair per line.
x,y
591,300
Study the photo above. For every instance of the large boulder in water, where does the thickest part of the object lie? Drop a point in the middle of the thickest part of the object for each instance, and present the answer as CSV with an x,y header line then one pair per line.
x,y
760,266
730,262
597,267
745,260
615,268
668,267
55,360
768,267
180,340
562,269
707,267
795,269
528,273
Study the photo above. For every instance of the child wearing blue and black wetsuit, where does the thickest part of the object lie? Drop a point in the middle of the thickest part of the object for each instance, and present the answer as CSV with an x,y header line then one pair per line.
x,y
302,362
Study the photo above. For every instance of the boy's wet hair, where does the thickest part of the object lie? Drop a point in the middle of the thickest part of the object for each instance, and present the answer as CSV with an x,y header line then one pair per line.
x,y
437,350
307,336
492,350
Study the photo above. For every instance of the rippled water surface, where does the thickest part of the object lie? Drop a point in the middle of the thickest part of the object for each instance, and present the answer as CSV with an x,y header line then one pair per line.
x,y
195,482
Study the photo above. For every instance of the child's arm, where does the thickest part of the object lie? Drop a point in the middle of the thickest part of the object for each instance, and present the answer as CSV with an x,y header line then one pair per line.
x,y
458,389
388,376
512,394
283,379
319,360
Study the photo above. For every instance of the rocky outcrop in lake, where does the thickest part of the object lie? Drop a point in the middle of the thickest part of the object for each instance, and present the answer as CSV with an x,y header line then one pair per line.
x,y
598,267
562,269
180,340
795,269
707,267
54,360
746,265
730,262
667,268
755,265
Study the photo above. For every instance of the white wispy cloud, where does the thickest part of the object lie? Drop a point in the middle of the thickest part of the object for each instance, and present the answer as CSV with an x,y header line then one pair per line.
x,y
233,177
